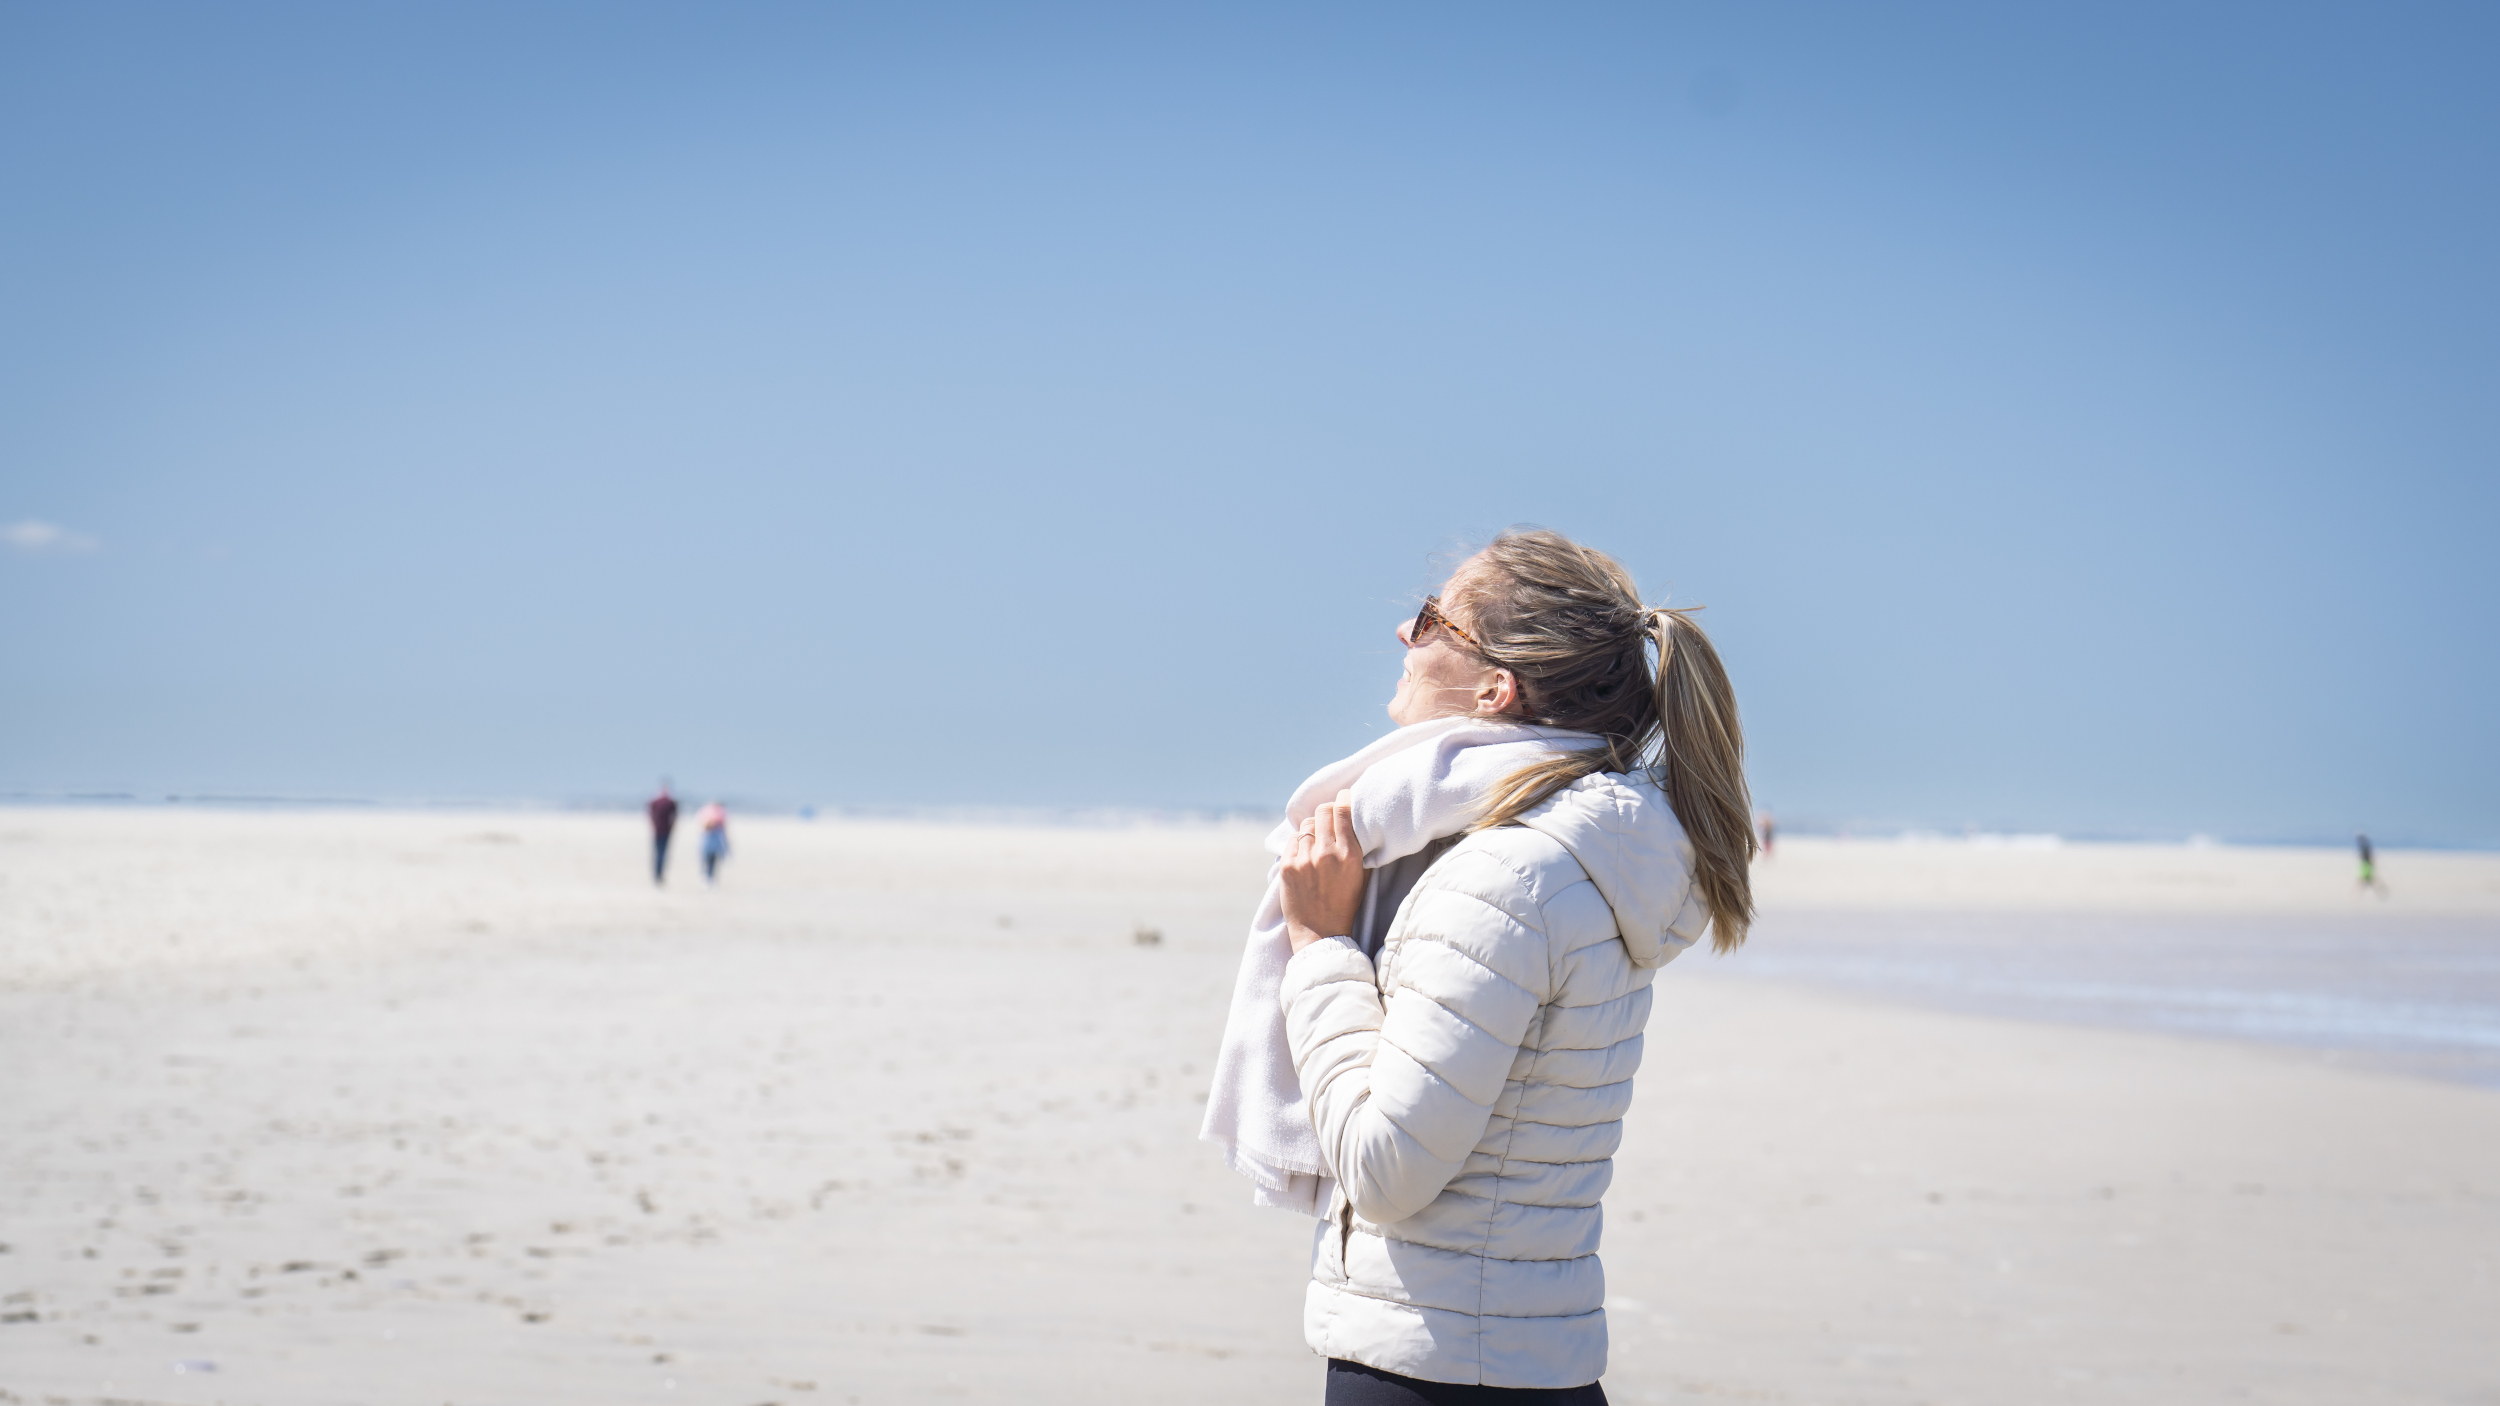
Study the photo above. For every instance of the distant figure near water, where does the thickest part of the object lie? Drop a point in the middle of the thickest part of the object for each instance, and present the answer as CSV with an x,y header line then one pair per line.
x,y
2370,882
715,818
663,825
1767,827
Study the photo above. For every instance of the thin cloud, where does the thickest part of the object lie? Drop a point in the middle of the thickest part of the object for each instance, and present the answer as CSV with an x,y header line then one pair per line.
x,y
35,537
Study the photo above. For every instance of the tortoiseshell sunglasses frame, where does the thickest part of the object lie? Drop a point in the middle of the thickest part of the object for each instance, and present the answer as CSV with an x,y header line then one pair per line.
x,y
1427,617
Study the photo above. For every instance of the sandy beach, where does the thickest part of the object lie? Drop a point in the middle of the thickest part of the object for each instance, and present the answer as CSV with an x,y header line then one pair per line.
x,y
434,1107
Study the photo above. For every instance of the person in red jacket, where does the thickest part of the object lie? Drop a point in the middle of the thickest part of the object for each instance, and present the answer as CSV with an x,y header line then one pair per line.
x,y
663,825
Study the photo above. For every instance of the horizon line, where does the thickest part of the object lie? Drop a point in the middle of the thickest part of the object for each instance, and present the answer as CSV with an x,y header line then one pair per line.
x,y
1109,816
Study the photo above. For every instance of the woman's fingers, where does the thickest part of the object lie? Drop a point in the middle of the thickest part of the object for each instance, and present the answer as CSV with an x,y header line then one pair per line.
x,y
1327,835
1323,876
1336,829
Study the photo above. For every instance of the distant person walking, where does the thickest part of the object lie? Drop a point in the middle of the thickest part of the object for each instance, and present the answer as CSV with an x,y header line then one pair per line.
x,y
1769,827
2369,866
715,818
663,825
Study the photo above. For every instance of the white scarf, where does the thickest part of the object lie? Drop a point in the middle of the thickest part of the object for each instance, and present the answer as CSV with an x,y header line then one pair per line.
x,y
1414,786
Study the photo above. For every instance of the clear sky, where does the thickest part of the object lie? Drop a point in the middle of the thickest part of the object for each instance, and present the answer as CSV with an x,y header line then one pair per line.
x,y
2078,418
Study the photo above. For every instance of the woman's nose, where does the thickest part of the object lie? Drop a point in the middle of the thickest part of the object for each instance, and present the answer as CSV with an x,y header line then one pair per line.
x,y
1405,633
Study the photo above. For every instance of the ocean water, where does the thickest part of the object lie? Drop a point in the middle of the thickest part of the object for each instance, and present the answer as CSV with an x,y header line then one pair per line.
x,y
2391,990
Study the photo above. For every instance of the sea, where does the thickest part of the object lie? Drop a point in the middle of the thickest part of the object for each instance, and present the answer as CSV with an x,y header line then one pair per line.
x,y
2412,993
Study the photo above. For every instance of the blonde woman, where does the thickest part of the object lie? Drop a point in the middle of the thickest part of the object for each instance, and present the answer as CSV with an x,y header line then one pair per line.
x,y
1433,1040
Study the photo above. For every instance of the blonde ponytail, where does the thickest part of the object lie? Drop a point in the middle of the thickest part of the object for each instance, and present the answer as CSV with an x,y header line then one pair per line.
x,y
1701,767
1568,623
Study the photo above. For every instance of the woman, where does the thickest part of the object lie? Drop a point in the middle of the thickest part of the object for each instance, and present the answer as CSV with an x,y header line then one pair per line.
x,y
1469,929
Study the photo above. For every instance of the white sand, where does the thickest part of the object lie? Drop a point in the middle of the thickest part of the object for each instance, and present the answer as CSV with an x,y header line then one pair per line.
x,y
454,1108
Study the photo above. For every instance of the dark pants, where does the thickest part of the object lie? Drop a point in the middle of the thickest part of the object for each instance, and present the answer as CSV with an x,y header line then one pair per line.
x,y
1353,1384
659,856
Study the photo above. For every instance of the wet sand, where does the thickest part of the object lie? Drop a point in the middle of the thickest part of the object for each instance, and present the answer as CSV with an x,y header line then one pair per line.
x,y
455,1108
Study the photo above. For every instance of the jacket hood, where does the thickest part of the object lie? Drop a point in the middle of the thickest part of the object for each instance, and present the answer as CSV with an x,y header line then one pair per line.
x,y
1632,847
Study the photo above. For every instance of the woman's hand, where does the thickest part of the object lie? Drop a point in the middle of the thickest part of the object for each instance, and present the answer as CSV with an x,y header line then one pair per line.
x,y
1322,879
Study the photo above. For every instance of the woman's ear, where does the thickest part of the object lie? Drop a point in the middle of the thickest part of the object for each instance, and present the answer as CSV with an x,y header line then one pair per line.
x,y
1497,696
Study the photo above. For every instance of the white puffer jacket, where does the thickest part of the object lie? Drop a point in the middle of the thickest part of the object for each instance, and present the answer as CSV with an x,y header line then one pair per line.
x,y
1469,1094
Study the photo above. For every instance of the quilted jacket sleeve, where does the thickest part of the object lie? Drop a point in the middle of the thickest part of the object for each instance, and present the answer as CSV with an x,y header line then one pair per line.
x,y
1402,1084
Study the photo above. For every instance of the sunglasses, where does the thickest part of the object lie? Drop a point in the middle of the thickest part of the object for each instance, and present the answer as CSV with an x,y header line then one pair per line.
x,y
1430,616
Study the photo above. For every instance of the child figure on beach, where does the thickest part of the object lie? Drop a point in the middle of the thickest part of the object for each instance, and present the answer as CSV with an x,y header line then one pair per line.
x,y
1433,1036
715,819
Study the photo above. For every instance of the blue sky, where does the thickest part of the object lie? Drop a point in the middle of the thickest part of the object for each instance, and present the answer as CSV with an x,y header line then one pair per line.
x,y
2075,421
